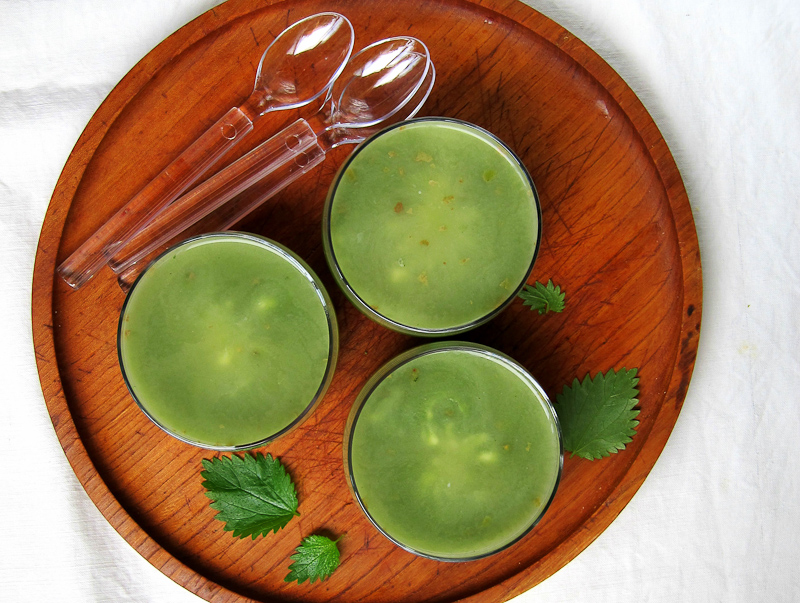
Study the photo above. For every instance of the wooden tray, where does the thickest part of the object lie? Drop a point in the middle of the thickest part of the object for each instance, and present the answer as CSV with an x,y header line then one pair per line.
x,y
618,237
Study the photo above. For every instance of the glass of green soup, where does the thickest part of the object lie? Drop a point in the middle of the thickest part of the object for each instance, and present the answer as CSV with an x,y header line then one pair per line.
x,y
453,451
431,227
227,341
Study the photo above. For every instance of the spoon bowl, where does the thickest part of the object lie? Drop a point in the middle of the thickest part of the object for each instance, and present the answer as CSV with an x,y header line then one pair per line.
x,y
376,81
301,64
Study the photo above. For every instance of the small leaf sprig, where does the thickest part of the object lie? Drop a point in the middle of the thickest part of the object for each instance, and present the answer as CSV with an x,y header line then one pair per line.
x,y
253,494
597,416
316,557
544,298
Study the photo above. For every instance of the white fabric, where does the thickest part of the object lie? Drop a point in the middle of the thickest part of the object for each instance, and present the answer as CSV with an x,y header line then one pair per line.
x,y
718,518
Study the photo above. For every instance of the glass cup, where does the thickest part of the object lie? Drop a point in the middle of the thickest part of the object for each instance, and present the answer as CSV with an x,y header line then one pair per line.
x,y
432,226
453,451
227,341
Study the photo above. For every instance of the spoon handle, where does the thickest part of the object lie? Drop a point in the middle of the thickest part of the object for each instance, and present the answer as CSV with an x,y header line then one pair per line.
x,y
223,218
176,178
274,164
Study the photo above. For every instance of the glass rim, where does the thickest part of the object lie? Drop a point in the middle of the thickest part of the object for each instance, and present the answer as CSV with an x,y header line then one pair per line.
x,y
401,360
351,292
330,317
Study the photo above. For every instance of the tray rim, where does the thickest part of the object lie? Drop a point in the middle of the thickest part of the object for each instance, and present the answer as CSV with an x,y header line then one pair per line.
x,y
44,279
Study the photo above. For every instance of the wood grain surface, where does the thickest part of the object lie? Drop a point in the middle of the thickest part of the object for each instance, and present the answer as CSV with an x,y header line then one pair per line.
x,y
618,237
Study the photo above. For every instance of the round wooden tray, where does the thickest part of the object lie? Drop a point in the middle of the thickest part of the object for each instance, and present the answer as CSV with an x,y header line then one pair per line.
x,y
618,237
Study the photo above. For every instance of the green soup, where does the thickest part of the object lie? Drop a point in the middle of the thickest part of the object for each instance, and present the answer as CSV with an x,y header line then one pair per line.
x,y
454,451
227,340
432,226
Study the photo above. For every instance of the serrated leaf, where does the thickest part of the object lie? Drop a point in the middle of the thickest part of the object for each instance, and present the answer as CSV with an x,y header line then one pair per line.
x,y
544,298
253,494
316,557
597,415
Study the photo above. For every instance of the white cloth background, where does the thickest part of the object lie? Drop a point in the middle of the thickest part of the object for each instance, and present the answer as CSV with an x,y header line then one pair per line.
x,y
718,518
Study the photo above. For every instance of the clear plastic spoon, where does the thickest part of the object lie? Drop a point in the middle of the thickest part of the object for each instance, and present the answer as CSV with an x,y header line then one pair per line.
x,y
231,212
390,81
298,67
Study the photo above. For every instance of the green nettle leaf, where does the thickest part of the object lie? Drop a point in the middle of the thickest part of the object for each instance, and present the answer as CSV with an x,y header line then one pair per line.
x,y
316,557
253,494
544,298
597,416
